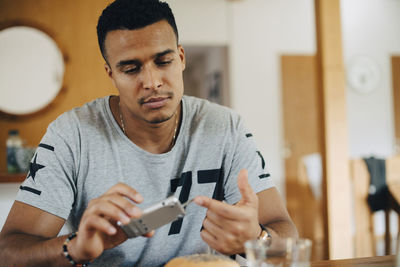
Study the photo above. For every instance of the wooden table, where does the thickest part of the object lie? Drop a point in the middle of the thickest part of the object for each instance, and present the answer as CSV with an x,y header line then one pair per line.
x,y
379,261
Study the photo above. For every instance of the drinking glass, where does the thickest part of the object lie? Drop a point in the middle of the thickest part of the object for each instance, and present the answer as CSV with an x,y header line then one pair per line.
x,y
279,252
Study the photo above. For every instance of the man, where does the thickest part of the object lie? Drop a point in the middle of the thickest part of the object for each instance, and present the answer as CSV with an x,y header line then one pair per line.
x,y
104,162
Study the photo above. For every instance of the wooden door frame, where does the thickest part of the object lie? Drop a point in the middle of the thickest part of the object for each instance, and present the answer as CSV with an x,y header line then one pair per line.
x,y
396,97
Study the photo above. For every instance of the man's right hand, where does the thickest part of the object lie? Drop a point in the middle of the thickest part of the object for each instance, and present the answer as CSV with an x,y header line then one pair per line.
x,y
98,229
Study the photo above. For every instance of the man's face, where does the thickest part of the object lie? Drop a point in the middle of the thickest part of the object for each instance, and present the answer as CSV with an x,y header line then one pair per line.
x,y
146,65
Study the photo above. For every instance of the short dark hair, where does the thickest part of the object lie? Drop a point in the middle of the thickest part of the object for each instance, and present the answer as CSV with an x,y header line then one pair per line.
x,y
132,15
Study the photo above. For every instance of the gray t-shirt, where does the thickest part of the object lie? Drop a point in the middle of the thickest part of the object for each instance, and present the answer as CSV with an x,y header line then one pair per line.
x,y
84,153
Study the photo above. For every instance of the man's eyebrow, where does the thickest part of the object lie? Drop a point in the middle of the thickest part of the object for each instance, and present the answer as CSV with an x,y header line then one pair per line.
x,y
163,53
128,62
137,62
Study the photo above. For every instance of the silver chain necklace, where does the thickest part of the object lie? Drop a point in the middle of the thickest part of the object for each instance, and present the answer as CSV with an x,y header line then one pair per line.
x,y
123,124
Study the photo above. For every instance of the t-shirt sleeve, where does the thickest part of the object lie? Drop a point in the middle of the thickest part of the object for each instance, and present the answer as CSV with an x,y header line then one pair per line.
x,y
246,156
50,184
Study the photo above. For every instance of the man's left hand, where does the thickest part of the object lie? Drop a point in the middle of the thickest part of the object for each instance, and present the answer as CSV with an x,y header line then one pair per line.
x,y
226,227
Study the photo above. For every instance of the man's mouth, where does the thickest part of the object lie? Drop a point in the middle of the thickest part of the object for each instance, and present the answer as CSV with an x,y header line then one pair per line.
x,y
155,102
155,99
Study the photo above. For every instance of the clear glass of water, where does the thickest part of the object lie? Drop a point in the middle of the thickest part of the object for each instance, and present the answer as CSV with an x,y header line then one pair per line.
x,y
282,252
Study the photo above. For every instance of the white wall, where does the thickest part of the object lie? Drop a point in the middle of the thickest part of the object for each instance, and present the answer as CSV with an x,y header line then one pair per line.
x,y
8,193
261,32
201,22
371,28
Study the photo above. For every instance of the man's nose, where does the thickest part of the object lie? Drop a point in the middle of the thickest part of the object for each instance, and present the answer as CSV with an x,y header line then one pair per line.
x,y
151,78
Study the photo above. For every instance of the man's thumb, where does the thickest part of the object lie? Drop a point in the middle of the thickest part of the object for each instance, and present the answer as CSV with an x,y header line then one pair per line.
x,y
245,189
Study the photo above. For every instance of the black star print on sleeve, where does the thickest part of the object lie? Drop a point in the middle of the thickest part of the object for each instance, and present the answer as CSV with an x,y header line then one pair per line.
x,y
33,168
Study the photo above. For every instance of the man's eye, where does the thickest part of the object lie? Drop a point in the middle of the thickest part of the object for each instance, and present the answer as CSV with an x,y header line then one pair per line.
x,y
132,70
163,62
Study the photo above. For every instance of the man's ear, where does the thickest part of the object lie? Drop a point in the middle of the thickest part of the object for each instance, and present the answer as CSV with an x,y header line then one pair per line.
x,y
181,53
109,73
108,70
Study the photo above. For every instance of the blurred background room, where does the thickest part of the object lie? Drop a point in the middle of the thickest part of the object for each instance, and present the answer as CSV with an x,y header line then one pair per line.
x,y
317,82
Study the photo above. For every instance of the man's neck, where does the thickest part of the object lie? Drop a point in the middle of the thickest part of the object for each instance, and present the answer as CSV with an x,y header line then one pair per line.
x,y
154,138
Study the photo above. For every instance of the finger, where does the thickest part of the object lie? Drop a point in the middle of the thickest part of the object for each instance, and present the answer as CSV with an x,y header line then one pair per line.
x,y
220,208
127,191
248,195
216,219
212,228
226,227
107,209
149,234
214,242
222,222
99,223
209,239
127,206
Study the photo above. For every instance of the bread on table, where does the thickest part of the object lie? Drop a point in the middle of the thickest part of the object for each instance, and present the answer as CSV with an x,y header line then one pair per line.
x,y
202,260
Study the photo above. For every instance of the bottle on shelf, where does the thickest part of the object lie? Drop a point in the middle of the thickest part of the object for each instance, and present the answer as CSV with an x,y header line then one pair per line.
x,y
13,143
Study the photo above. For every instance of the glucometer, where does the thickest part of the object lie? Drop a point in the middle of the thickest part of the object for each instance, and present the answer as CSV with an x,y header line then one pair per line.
x,y
155,216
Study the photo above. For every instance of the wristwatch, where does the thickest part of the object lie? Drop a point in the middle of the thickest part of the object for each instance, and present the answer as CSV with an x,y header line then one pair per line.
x,y
265,234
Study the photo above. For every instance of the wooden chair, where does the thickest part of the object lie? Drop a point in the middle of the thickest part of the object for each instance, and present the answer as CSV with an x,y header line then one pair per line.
x,y
393,182
365,244
364,230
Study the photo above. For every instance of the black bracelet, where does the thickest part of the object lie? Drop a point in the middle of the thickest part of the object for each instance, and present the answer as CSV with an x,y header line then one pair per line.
x,y
66,254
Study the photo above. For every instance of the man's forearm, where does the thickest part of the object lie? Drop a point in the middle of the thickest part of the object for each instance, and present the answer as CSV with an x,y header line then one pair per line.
x,y
282,228
28,250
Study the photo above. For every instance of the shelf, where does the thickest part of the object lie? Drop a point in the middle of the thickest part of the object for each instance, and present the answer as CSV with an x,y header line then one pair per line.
x,y
12,178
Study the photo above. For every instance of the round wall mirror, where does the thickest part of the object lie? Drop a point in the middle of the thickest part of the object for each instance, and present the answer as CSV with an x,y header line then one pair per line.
x,y
32,70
